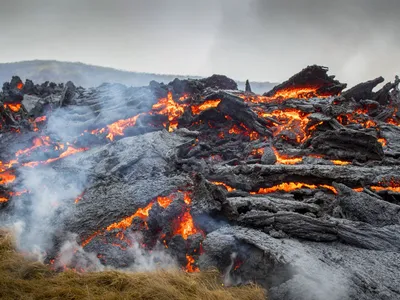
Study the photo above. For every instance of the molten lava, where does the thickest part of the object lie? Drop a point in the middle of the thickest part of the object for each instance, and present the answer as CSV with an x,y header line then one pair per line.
x,y
7,177
292,186
37,142
15,107
197,109
185,225
383,142
298,93
20,85
141,213
293,120
70,151
228,188
164,202
286,160
79,198
3,199
171,109
190,266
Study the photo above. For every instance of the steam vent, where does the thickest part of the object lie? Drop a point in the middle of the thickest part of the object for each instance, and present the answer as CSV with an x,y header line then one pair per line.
x,y
297,189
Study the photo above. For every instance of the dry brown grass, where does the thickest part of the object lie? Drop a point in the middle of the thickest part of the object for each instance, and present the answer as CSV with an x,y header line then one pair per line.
x,y
24,279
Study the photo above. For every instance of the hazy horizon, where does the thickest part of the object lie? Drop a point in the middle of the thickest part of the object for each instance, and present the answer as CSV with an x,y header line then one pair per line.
x,y
264,40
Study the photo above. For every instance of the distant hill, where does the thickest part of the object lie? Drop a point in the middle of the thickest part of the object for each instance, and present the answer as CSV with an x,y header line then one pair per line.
x,y
90,76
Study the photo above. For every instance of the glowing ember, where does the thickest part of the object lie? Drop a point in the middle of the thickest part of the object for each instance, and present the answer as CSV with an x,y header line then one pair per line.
x,y
340,162
79,198
142,213
3,199
228,188
190,266
20,85
37,142
7,177
15,107
235,130
19,193
388,188
298,93
117,128
292,186
293,120
185,226
186,198
40,119
257,152
197,109
285,160
70,151
382,141
164,202
5,166
167,106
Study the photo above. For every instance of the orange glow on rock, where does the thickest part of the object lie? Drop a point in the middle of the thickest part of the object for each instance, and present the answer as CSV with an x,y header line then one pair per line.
x,y
383,142
197,109
37,142
7,177
15,107
185,225
228,188
142,213
286,160
3,199
292,186
20,85
340,162
164,202
190,266
293,120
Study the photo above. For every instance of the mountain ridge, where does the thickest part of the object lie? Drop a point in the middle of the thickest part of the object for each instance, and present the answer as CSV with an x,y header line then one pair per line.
x,y
87,75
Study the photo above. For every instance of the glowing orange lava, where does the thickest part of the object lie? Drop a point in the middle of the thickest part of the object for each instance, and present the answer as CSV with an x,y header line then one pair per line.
x,y
70,151
197,109
164,202
286,160
79,198
142,213
7,177
340,162
292,186
20,85
6,166
383,141
228,188
168,107
40,119
15,107
298,93
3,199
185,225
37,142
190,267
293,120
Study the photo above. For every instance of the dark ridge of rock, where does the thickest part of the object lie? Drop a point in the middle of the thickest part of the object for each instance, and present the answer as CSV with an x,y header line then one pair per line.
x,y
312,76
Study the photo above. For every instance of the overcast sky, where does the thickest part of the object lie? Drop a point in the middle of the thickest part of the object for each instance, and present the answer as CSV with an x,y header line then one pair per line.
x,y
264,40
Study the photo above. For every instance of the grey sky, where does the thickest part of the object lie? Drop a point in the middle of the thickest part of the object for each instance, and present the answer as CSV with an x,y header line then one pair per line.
x,y
256,39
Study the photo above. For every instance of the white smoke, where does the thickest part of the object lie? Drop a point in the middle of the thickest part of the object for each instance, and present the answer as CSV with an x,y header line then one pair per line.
x,y
316,280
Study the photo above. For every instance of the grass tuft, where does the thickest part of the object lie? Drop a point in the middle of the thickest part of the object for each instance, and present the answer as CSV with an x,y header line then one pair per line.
x,y
22,278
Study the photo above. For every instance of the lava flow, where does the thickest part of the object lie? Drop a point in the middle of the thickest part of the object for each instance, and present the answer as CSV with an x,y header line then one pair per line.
x,y
183,225
15,107
292,186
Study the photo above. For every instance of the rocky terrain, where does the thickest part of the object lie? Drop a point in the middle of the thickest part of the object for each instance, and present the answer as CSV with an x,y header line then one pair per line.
x,y
296,189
